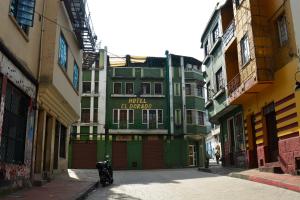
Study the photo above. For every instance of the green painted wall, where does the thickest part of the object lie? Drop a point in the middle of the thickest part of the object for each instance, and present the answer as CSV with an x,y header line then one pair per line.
x,y
101,149
134,154
175,153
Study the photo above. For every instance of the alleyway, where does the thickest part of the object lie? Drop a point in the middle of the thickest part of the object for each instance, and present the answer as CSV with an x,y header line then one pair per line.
x,y
186,184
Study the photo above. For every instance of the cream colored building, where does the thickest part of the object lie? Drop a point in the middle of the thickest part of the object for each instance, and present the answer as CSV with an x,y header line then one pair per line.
x,y
40,65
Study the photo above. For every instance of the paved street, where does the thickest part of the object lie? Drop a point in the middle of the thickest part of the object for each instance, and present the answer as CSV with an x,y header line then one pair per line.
x,y
186,184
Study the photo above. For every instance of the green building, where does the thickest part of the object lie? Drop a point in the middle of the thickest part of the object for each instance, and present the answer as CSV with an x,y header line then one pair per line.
x,y
227,120
147,113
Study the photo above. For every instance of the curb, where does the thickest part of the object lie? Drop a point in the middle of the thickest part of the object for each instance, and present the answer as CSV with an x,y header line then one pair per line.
x,y
266,181
84,194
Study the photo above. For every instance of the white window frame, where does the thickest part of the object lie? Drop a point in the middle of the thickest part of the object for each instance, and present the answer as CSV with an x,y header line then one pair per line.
x,y
143,88
128,122
90,87
197,118
114,87
113,116
177,91
186,89
162,89
126,88
187,116
178,120
147,111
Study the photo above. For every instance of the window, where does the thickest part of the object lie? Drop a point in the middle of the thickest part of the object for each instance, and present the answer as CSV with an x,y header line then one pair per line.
x,y
23,11
63,53
146,88
219,80
14,126
216,33
177,117
131,116
117,88
76,77
199,90
115,116
145,115
85,115
96,87
282,30
208,90
200,118
188,89
129,88
158,88
160,116
245,50
189,116
95,115
206,48
176,89
62,141
86,87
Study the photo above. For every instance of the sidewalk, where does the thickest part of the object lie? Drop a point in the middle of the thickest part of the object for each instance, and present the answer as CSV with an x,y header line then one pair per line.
x,y
74,184
278,180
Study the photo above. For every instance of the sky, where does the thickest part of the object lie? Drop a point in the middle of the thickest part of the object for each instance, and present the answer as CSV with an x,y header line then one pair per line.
x,y
150,27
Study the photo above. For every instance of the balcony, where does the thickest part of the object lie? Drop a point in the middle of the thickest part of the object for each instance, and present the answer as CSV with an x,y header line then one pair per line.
x,y
245,84
229,34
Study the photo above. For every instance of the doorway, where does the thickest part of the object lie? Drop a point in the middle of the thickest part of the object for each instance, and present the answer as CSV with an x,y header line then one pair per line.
x,y
270,119
192,155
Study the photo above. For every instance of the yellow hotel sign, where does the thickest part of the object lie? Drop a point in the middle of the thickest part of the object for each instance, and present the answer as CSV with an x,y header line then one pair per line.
x,y
136,104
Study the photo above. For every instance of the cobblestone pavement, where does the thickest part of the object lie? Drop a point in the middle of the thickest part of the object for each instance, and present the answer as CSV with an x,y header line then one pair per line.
x,y
186,184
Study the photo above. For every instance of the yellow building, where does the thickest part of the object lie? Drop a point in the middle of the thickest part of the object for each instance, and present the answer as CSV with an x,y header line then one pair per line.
x,y
41,46
261,61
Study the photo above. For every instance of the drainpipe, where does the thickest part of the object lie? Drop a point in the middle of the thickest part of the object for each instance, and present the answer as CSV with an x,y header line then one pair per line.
x,y
37,90
169,63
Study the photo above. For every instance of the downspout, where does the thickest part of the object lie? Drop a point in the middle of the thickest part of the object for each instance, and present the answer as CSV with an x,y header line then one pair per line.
x,y
168,63
37,89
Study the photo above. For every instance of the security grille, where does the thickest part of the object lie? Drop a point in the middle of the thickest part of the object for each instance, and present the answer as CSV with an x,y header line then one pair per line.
x,y
14,126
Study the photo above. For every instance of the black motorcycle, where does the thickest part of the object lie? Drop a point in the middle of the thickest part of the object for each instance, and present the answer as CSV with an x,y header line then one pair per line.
x,y
105,173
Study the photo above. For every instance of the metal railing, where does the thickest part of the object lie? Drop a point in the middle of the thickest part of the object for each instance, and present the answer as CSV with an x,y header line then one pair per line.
x,y
229,33
234,84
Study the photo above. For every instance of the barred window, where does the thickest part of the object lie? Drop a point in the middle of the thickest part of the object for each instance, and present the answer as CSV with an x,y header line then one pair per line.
x,y
14,125
63,53
282,30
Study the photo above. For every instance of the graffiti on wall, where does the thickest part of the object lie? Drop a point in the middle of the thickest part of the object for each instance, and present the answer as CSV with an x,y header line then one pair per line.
x,y
7,68
14,172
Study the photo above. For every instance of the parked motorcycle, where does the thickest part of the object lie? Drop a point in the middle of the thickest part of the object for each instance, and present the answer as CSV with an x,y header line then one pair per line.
x,y
105,172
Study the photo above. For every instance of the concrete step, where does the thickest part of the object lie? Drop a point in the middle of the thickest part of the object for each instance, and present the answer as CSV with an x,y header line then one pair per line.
x,y
276,170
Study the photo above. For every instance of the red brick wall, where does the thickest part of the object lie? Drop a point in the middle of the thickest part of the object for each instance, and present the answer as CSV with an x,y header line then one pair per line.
x,y
261,155
289,149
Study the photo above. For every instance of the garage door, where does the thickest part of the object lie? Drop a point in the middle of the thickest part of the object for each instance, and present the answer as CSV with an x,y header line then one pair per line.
x,y
84,155
153,154
119,155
